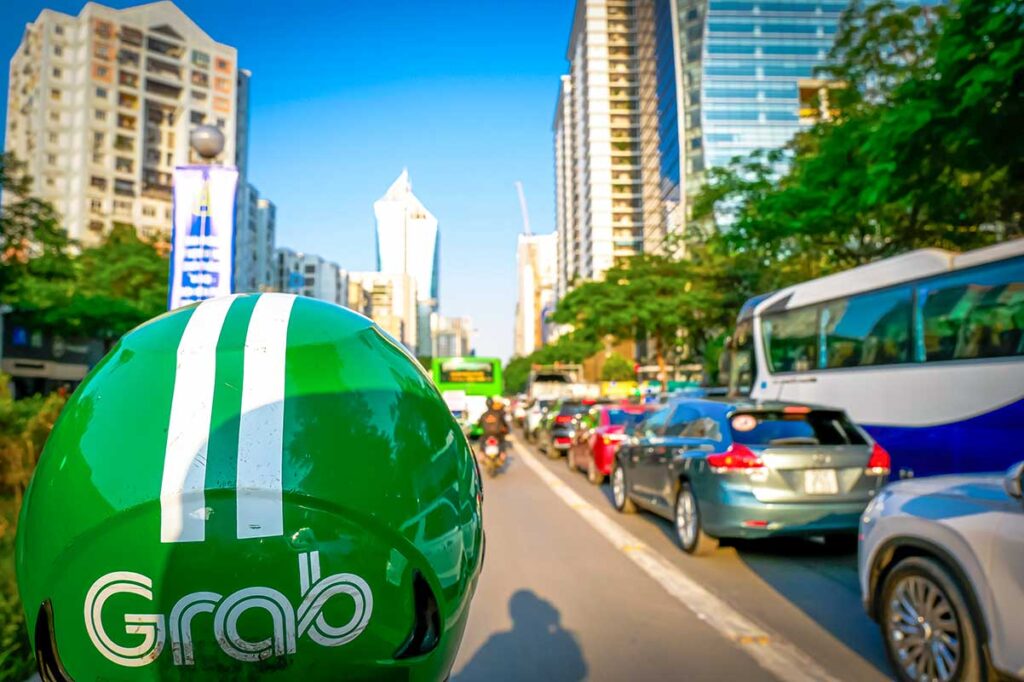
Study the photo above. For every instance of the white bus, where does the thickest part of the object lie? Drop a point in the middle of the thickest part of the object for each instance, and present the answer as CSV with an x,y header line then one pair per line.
x,y
925,350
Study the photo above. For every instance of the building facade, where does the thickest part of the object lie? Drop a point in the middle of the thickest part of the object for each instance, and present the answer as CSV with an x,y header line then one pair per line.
x,y
266,241
308,274
451,336
100,107
408,242
537,268
390,300
597,129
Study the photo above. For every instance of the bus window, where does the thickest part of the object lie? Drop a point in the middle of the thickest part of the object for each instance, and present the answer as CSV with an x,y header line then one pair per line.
x,y
791,339
865,330
738,360
973,314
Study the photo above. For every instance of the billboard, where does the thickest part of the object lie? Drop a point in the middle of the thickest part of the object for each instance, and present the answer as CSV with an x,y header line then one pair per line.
x,y
202,236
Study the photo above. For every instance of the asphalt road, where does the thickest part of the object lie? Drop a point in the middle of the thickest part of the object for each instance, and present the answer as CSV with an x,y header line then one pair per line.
x,y
558,601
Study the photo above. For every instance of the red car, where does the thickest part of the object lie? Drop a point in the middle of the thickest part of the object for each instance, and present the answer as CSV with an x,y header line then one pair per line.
x,y
601,432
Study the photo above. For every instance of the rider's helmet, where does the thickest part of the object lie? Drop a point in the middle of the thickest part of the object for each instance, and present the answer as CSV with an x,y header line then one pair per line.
x,y
258,486
497,402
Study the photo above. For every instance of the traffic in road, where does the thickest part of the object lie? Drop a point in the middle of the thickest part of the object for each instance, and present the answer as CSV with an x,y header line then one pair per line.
x,y
557,600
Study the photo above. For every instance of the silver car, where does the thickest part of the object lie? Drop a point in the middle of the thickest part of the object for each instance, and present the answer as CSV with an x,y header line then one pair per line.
x,y
941,564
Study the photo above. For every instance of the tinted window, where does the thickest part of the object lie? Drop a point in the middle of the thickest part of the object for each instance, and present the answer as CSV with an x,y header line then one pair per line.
x,y
821,427
622,417
705,427
654,424
573,408
871,329
791,340
681,418
975,314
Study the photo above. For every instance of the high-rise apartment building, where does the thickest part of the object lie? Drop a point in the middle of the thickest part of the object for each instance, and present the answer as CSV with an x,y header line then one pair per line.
x,y
408,242
597,130
101,104
451,336
390,300
536,265
266,240
307,274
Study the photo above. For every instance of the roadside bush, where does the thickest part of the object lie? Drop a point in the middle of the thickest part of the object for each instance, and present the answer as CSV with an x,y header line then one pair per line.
x,y
24,427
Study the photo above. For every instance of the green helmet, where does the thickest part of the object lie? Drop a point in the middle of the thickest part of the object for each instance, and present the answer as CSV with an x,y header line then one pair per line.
x,y
255,486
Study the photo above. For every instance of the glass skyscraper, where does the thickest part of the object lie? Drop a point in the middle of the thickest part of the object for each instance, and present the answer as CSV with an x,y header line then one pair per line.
x,y
729,77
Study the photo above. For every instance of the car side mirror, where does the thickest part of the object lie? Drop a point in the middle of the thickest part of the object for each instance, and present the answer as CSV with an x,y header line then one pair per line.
x,y
1014,481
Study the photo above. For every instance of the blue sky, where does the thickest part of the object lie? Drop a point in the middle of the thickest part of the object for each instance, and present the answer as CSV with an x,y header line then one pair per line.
x,y
345,94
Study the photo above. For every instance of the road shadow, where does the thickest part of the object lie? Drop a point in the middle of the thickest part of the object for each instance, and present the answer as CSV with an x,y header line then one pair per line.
x,y
536,648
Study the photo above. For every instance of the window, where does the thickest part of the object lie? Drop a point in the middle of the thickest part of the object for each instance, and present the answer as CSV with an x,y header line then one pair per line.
x,y
197,117
654,424
55,95
200,59
624,417
149,211
704,427
58,50
201,79
100,115
59,29
98,182
124,165
51,159
96,205
101,93
681,418
310,269
870,329
52,137
791,340
57,73
54,116
973,314
819,427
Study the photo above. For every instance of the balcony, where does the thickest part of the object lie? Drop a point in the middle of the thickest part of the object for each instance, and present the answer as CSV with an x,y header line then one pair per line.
x,y
124,188
165,48
162,89
163,69
131,36
123,143
126,122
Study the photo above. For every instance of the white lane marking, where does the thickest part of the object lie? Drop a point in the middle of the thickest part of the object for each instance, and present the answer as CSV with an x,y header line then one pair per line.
x,y
773,653
182,498
261,425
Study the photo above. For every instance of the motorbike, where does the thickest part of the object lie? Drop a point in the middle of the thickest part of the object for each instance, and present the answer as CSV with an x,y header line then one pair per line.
x,y
493,455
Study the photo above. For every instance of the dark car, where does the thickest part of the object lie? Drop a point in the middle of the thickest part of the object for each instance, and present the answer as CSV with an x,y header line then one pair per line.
x,y
741,469
558,430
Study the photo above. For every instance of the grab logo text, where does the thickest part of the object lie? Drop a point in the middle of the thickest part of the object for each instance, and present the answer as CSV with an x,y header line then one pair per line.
x,y
288,623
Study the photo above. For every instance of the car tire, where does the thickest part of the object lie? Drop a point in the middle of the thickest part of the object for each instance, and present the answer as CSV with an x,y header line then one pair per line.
x,y
551,451
689,525
916,578
593,475
620,491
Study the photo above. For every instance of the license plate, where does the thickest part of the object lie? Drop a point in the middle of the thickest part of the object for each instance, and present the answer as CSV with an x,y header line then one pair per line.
x,y
491,450
821,482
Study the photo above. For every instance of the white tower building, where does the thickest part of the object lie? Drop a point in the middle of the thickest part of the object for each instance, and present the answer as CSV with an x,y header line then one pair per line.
x,y
408,243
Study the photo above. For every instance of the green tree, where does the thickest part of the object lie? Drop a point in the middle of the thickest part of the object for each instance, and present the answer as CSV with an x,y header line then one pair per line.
x,y
617,368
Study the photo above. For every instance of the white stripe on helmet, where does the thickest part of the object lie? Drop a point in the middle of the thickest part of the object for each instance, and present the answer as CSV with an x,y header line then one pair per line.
x,y
182,498
261,427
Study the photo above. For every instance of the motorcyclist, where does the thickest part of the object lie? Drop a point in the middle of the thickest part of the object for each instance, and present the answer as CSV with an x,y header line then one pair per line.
x,y
248,488
494,423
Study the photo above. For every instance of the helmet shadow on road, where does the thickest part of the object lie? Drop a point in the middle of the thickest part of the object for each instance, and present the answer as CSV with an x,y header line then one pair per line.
x,y
536,648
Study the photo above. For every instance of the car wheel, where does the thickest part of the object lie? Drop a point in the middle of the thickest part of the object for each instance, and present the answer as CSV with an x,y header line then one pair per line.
x,y
551,451
928,627
620,491
689,527
593,475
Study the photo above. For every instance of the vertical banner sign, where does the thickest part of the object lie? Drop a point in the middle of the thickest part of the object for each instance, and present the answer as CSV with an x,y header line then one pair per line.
x,y
202,238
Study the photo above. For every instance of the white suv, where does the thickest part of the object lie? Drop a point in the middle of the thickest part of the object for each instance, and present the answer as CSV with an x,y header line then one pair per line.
x,y
941,564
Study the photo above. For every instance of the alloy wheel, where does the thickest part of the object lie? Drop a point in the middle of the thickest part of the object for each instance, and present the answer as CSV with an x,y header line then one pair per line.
x,y
619,486
686,517
923,630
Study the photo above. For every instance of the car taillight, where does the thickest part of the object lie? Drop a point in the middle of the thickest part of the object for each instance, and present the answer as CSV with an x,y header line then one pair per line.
x,y
492,441
879,464
562,440
737,458
563,419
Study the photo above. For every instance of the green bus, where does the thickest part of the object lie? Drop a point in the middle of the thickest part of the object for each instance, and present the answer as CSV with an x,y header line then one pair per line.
x,y
466,383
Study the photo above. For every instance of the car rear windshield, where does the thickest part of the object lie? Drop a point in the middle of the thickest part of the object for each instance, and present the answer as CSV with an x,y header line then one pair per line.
x,y
624,418
818,427
573,408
